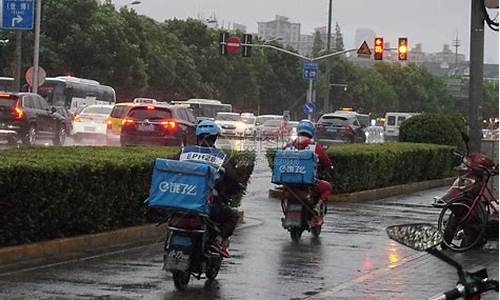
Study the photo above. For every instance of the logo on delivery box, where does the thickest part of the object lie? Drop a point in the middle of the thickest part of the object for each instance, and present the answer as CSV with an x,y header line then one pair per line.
x,y
178,188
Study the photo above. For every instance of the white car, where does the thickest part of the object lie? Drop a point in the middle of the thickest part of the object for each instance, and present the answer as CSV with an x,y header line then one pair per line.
x,y
231,124
250,127
90,122
259,122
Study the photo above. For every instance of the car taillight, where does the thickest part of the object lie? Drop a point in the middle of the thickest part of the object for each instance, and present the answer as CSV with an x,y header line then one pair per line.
x,y
109,124
169,124
76,118
18,112
348,128
127,121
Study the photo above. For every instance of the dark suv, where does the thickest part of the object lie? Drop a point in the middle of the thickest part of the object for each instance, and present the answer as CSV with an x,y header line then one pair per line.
x,y
27,116
343,127
158,124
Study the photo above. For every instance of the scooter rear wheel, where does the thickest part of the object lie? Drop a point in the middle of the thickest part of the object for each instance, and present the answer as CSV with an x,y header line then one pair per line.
x,y
181,279
295,234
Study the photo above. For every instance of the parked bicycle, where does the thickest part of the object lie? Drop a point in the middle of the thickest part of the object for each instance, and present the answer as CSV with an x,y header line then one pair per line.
x,y
469,205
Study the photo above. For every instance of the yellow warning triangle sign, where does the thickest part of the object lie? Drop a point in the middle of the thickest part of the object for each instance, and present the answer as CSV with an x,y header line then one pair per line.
x,y
364,50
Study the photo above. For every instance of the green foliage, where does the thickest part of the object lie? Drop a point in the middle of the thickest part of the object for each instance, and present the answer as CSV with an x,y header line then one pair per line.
x,y
339,39
178,59
490,100
360,167
433,128
55,192
318,44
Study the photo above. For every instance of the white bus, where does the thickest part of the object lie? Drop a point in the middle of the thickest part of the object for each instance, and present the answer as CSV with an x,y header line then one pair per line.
x,y
205,108
74,93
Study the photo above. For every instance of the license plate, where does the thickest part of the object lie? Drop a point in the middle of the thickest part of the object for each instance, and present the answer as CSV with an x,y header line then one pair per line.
x,y
142,127
89,128
331,130
293,218
175,260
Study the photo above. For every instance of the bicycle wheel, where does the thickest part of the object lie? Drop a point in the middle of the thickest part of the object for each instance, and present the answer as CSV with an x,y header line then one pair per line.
x,y
458,234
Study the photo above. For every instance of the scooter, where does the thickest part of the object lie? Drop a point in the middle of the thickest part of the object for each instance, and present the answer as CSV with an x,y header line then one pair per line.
x,y
426,237
297,206
187,248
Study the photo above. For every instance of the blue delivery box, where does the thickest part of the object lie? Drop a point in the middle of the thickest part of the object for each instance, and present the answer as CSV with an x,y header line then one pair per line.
x,y
181,185
295,167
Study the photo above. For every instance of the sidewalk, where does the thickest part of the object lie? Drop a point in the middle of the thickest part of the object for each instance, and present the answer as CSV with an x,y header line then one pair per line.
x,y
419,277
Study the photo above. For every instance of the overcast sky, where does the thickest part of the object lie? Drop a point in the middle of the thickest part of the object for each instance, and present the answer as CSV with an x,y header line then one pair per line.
x,y
430,22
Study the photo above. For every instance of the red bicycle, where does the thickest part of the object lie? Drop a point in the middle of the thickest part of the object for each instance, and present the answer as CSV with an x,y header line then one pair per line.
x,y
469,205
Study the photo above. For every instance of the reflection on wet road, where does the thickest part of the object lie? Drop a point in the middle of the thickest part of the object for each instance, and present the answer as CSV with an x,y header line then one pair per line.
x,y
348,261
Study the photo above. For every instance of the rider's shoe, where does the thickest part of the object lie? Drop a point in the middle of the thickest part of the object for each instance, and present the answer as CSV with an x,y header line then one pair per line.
x,y
219,247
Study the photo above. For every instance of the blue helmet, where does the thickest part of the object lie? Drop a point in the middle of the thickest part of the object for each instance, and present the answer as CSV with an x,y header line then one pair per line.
x,y
207,127
307,127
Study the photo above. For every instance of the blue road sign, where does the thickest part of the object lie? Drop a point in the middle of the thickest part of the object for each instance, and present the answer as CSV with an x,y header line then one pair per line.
x,y
311,70
17,14
309,108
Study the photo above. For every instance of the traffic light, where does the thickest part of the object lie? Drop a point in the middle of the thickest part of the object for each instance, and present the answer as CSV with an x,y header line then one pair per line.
x,y
247,50
378,49
403,48
223,36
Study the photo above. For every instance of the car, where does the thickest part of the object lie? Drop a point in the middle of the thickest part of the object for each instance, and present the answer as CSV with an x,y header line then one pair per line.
x,y
392,122
231,124
260,120
342,127
27,117
90,122
114,122
158,124
273,129
249,120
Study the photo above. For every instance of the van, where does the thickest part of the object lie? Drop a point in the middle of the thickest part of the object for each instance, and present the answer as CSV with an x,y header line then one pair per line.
x,y
392,122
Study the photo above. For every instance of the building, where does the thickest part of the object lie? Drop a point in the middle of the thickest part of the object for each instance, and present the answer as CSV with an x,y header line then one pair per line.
x,y
324,36
280,28
306,44
239,27
364,34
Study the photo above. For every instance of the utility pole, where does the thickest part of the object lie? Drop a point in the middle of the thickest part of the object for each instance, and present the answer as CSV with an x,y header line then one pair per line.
x,y
326,104
18,61
476,72
36,56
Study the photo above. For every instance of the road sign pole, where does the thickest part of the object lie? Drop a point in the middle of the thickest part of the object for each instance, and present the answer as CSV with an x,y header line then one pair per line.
x,y
38,16
18,61
310,96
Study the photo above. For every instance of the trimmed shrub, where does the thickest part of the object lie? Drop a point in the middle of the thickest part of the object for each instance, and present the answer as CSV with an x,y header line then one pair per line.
x,y
433,129
56,192
360,167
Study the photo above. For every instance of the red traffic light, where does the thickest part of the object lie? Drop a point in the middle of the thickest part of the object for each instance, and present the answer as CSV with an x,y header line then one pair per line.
x,y
378,49
403,48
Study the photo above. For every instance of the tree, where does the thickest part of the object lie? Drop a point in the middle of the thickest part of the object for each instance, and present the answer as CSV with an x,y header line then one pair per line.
x,y
339,40
318,44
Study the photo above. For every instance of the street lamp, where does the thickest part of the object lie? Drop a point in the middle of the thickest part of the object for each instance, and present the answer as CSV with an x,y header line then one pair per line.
x,y
272,40
135,2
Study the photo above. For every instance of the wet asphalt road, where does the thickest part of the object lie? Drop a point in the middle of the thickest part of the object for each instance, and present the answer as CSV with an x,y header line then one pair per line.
x,y
353,259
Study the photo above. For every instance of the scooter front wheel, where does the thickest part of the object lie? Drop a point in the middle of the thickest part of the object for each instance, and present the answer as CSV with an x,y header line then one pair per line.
x,y
316,231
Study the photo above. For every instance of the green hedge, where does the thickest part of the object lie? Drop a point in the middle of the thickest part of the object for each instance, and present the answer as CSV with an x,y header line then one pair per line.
x,y
433,129
360,167
52,192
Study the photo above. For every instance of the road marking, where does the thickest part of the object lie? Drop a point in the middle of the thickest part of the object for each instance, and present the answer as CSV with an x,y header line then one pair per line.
x,y
332,291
